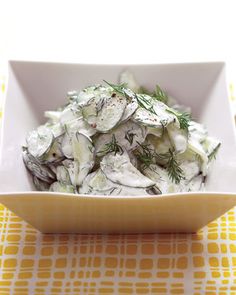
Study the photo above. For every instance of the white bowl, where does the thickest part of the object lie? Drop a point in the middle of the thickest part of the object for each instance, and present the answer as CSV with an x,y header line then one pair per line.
x,y
34,87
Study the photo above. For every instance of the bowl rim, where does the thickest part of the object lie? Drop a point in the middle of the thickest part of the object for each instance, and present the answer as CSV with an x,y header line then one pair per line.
x,y
118,197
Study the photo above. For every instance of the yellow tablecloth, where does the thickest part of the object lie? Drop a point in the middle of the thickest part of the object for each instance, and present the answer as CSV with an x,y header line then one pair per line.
x,y
33,263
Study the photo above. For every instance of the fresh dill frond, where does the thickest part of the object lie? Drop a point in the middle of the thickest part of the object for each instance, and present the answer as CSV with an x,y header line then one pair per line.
x,y
117,87
175,173
146,155
111,147
183,118
141,98
129,135
145,103
212,155
160,95
143,90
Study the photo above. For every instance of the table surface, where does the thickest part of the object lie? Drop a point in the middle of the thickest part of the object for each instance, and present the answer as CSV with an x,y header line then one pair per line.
x,y
33,263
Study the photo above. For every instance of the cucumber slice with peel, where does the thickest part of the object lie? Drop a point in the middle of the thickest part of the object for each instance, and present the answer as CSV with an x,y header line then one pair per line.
x,y
84,154
128,135
178,137
119,169
39,141
111,113
61,187
39,170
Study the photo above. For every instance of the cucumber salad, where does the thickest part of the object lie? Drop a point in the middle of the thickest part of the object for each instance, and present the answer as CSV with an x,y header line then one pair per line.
x,y
119,140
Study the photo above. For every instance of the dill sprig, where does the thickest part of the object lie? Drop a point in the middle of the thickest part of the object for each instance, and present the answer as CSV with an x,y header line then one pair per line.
x,y
141,98
117,87
160,95
175,173
212,155
111,147
145,103
146,155
183,118
130,136
143,90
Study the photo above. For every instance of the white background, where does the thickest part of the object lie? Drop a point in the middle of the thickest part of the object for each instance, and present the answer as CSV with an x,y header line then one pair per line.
x,y
119,31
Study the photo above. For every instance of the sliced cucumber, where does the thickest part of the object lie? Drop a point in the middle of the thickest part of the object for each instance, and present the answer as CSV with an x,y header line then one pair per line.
x,y
62,188
130,108
166,186
54,154
78,125
73,170
161,145
210,145
160,176
128,78
119,169
63,174
196,147
39,141
57,129
40,185
178,137
158,131
71,112
90,112
161,110
97,183
54,116
111,113
42,172
83,153
128,135
197,131
146,118
99,92
190,169
132,191
66,146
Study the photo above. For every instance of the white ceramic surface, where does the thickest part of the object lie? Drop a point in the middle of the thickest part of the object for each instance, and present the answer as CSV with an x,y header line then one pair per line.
x,y
34,87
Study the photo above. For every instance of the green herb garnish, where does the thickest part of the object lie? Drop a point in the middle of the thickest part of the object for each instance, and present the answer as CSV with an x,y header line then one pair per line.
x,y
145,103
112,146
130,137
117,87
183,118
212,155
141,99
175,173
143,90
146,155
160,95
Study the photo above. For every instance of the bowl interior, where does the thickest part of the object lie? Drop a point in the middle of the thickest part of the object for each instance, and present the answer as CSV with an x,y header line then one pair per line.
x,y
34,87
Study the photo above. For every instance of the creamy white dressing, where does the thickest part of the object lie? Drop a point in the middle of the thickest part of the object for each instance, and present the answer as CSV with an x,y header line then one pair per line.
x,y
119,140
119,169
178,137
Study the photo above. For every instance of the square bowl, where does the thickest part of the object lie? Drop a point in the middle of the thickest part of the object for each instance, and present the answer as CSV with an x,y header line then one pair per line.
x,y
34,87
